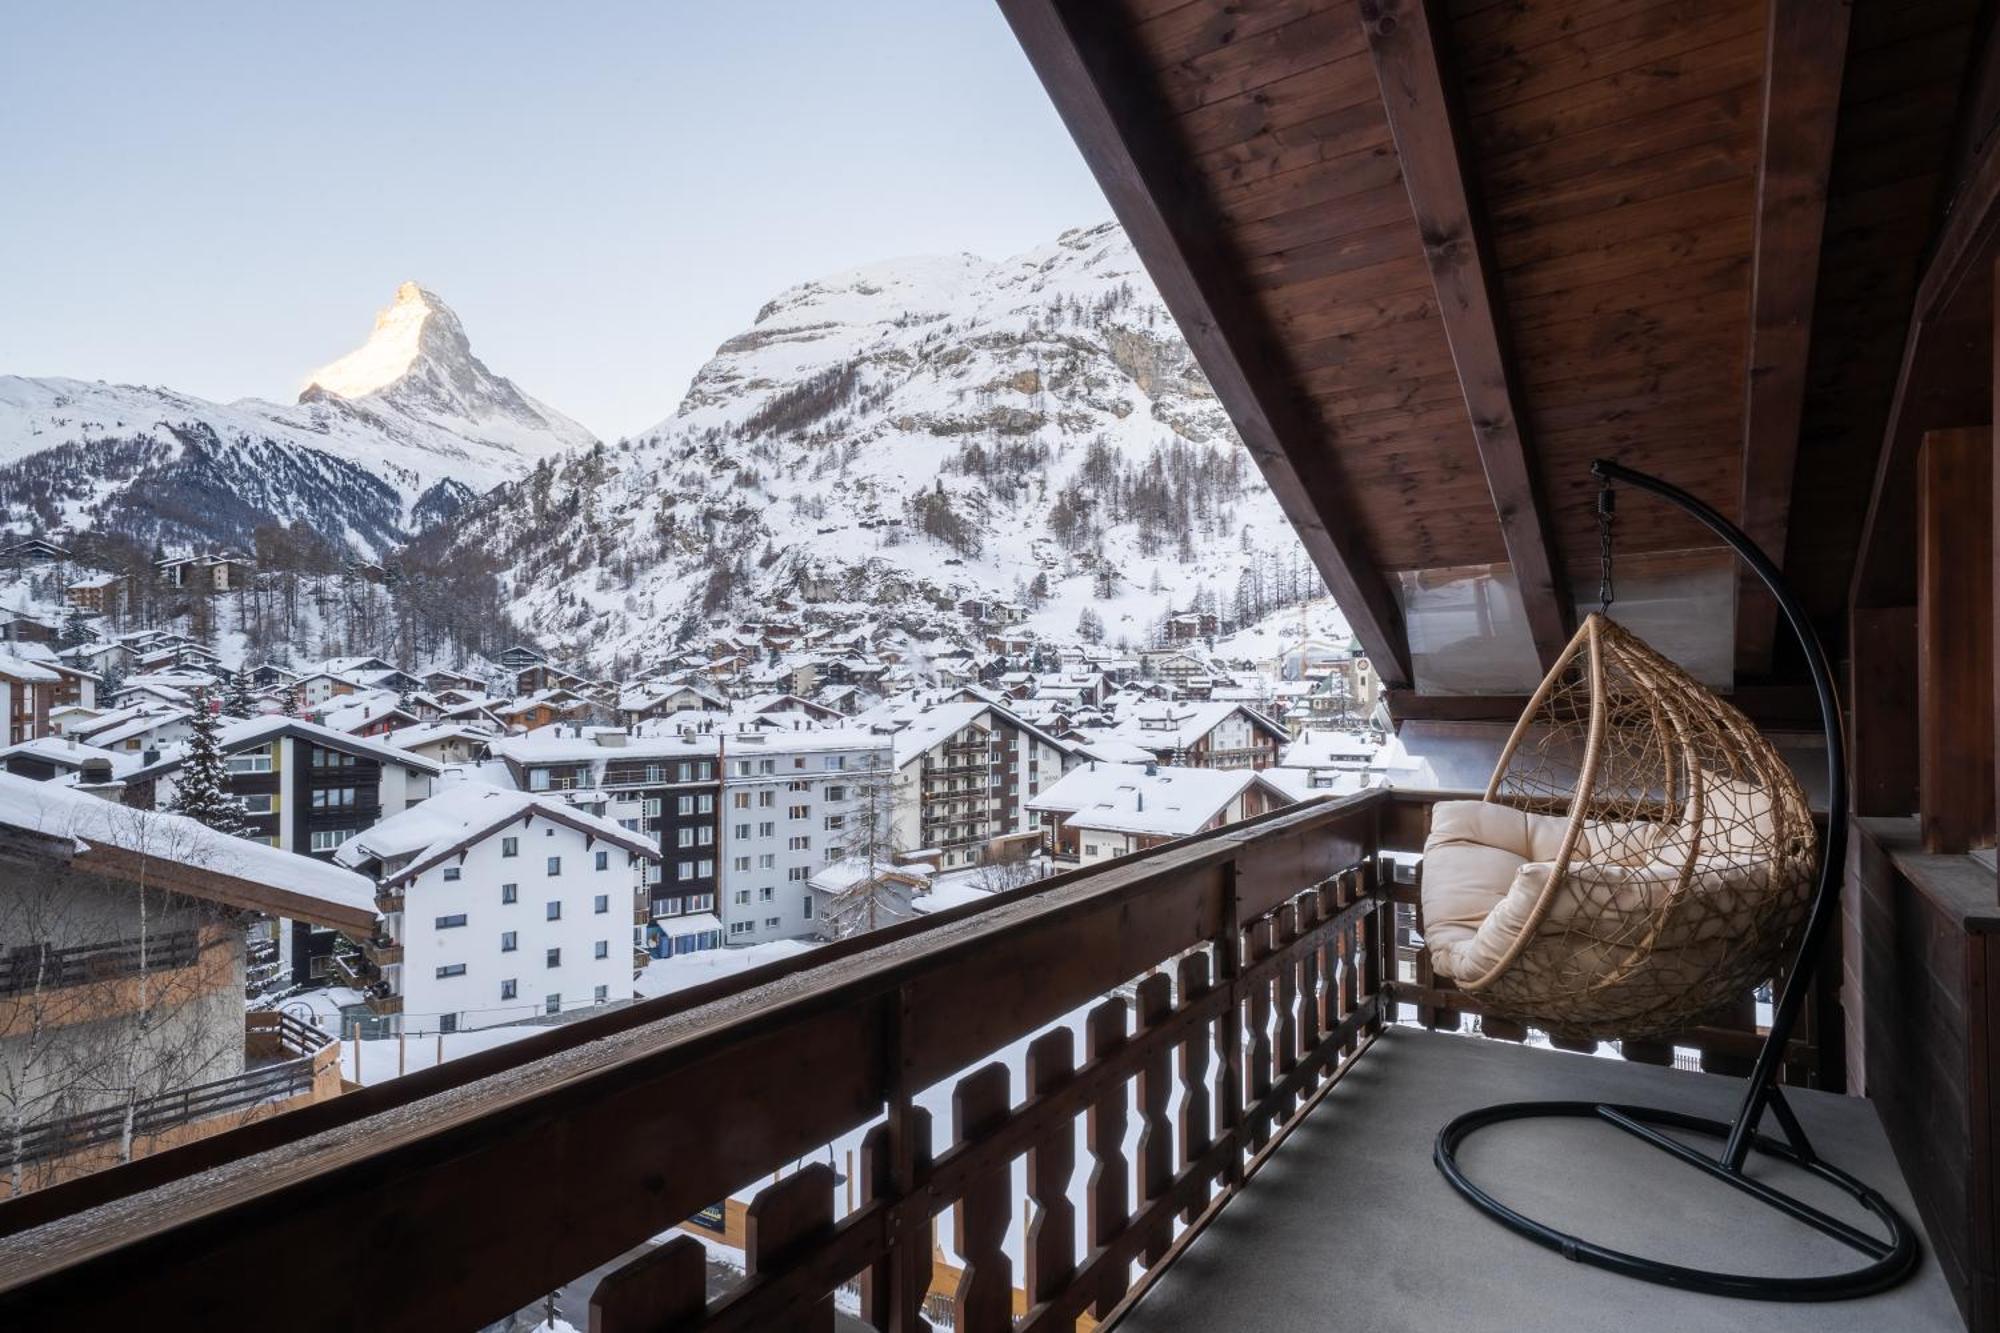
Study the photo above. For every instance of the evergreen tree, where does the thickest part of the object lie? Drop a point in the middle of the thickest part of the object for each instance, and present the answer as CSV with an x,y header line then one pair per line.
x,y
201,787
241,703
75,629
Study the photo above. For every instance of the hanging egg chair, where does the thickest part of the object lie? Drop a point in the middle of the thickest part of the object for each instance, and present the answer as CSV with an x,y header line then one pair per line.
x,y
1642,859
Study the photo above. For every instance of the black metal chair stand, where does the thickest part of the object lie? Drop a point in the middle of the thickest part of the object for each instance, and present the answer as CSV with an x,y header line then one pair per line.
x,y
1891,1257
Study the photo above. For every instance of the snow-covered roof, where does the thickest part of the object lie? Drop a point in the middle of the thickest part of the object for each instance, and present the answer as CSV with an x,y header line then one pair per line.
x,y
68,752
126,724
842,875
464,813
561,743
232,870
1331,749
1127,798
20,668
687,923
429,733
260,730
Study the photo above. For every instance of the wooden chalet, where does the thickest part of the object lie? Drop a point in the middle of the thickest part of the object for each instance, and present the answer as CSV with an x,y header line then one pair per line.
x,y
1434,259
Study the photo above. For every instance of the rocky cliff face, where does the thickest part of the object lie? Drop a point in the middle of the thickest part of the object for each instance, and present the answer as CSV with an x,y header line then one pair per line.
x,y
893,441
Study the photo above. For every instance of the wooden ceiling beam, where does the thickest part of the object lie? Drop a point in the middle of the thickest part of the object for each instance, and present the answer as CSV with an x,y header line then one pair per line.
x,y
1106,95
1420,98
1805,54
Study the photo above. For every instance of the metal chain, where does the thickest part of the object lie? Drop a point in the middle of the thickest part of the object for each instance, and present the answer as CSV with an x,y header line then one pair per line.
x,y
1607,515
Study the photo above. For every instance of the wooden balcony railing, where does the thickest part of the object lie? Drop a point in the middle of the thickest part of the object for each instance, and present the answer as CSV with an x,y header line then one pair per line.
x,y
1222,984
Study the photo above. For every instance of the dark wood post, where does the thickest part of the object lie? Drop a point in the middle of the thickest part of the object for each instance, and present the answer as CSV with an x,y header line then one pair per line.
x,y
1955,706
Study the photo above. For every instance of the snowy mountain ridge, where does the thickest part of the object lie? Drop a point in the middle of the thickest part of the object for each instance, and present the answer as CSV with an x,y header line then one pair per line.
x,y
422,428
891,442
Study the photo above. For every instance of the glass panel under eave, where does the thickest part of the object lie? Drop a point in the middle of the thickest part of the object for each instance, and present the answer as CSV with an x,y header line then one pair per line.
x,y
1683,603
1468,632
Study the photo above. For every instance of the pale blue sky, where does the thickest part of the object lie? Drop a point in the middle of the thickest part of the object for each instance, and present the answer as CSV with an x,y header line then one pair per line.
x,y
218,197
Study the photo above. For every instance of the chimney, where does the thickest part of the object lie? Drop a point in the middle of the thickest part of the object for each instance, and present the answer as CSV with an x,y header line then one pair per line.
x,y
151,756
95,778
1152,768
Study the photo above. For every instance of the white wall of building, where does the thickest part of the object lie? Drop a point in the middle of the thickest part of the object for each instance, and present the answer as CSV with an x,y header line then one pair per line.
x,y
786,805
593,888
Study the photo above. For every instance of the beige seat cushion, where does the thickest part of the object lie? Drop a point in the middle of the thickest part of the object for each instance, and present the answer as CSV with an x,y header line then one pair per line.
x,y
1485,866
1470,860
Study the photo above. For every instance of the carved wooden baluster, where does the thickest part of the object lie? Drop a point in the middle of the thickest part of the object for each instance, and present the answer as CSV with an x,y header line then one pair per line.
x,y
1257,1075
911,1259
1051,1235
1197,1132
1156,1131
1312,995
877,1182
1287,1039
664,1288
1352,943
1109,1194
1378,945
984,1301
784,1221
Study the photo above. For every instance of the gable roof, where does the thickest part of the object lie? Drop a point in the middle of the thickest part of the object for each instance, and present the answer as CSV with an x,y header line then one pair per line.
x,y
463,814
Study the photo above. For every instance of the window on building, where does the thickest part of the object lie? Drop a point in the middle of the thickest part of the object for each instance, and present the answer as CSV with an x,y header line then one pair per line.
x,y
767,828
602,903
447,1022
742,895
450,922
603,861
509,941
742,927
510,893
685,805
740,863
706,868
510,846
799,812
806,906
554,958
836,821
552,1004
764,894
603,949
835,762
685,870
797,873
705,836
255,805
772,922
508,990
333,798
451,970
743,830
326,839
801,843
836,793
766,799
767,861
451,875
555,910
684,837
256,761
603,994
555,865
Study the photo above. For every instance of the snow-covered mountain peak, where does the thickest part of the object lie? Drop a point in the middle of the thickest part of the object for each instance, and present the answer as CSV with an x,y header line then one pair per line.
x,y
397,341
419,361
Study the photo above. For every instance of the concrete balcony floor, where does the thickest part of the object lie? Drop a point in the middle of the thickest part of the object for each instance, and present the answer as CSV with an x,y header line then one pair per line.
x,y
1349,1225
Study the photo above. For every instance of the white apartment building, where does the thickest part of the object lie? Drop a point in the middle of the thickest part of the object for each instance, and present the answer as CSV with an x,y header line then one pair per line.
x,y
502,905
965,772
788,799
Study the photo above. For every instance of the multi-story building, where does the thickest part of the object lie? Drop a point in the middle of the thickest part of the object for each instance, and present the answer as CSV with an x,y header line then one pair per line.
x,y
673,785
304,788
965,771
790,802
1202,735
497,906
27,691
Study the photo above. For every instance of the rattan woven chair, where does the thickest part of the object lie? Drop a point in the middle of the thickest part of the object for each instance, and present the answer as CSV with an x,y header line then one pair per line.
x,y
1641,860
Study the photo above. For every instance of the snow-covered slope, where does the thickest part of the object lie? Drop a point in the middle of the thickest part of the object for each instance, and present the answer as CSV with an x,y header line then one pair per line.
x,y
896,439
431,427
